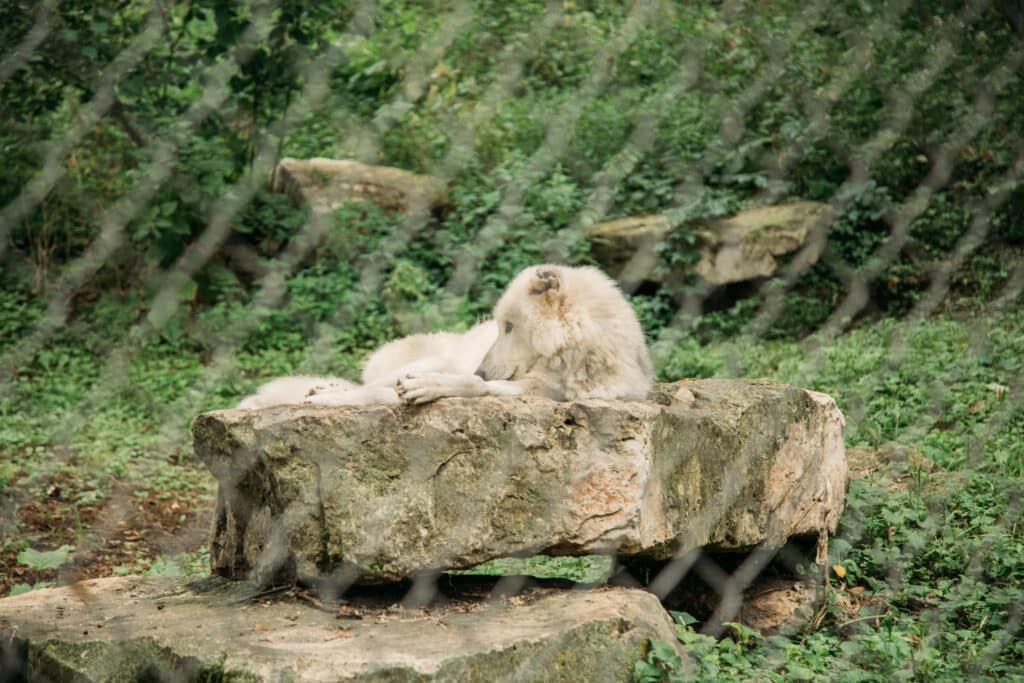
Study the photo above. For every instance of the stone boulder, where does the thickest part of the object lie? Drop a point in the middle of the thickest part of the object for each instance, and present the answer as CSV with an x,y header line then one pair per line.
x,y
734,249
159,628
326,184
627,248
744,246
376,494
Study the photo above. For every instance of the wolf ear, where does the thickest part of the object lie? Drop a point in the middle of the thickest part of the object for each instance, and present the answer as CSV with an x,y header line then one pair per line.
x,y
544,281
550,335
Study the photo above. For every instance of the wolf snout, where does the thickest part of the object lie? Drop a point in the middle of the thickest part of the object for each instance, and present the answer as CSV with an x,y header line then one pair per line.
x,y
481,374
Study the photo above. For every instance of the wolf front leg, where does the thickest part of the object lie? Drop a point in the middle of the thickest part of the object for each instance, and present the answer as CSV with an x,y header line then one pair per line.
x,y
424,387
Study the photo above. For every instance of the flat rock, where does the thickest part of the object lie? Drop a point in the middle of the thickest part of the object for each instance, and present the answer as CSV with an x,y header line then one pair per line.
x,y
159,628
326,184
737,248
627,248
744,246
376,494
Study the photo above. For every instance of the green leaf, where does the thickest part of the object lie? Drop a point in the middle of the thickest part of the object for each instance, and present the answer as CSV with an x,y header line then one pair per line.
x,y
662,650
20,588
645,672
743,632
684,618
164,567
799,673
45,559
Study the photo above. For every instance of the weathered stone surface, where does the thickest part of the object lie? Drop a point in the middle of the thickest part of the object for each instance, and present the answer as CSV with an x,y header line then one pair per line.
x,y
744,246
734,249
155,628
326,184
627,248
380,493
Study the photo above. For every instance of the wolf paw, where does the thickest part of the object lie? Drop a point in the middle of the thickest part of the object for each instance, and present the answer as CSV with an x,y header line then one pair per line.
x,y
420,388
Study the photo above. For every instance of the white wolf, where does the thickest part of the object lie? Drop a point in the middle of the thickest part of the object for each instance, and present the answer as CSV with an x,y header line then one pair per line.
x,y
440,352
565,333
294,389
562,332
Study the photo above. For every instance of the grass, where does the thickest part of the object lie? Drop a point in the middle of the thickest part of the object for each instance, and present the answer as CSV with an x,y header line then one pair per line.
x,y
945,385
934,571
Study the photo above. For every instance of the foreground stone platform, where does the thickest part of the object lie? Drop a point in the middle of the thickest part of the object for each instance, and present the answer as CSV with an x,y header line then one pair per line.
x,y
157,628
381,493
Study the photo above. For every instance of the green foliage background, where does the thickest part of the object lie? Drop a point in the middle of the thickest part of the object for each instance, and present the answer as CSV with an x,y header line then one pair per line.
x,y
104,389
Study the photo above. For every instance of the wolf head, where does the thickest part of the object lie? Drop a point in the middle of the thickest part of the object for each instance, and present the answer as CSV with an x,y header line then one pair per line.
x,y
565,322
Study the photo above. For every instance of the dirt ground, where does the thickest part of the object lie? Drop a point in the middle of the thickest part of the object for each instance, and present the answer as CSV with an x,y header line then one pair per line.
x,y
125,531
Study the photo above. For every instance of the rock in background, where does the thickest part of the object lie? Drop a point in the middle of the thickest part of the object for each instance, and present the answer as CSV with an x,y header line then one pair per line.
x,y
378,494
733,249
326,184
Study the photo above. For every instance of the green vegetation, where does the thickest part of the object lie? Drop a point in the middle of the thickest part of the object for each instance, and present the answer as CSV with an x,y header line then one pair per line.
x,y
103,363
933,567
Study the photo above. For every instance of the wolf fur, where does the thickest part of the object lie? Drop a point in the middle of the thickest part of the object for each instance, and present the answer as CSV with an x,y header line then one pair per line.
x,y
565,333
295,389
445,353
440,352
558,331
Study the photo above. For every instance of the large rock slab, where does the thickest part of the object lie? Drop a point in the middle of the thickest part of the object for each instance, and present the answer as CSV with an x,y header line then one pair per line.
x,y
628,248
737,248
744,246
156,628
326,184
380,493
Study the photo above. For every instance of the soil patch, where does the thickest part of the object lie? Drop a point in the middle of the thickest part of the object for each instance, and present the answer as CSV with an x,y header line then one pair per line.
x,y
123,532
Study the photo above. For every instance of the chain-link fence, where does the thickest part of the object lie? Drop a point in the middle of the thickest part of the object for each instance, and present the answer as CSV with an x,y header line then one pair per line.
x,y
150,273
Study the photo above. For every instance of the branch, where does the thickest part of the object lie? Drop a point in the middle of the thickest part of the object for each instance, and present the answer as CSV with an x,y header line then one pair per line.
x,y
118,113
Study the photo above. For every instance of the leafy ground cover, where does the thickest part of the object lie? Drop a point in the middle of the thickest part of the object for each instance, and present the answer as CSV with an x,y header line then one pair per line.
x,y
926,573
101,370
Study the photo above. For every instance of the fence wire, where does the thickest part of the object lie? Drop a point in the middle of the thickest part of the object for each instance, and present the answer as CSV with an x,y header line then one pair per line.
x,y
41,453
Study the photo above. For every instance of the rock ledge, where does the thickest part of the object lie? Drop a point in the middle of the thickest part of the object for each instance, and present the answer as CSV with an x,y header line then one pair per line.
x,y
157,628
382,493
